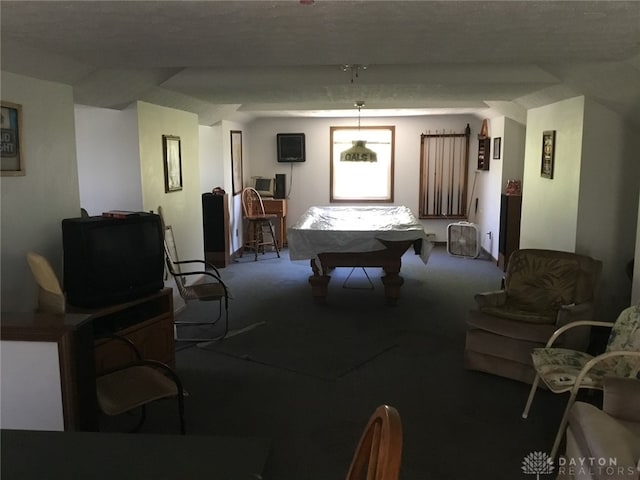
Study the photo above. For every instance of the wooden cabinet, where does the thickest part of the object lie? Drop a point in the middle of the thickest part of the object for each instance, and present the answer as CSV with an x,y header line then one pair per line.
x,y
215,227
147,322
509,239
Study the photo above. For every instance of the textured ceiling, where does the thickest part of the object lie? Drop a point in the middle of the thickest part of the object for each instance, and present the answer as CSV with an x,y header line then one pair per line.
x,y
239,59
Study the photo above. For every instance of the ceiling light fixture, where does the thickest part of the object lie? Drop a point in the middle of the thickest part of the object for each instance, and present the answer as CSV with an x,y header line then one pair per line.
x,y
353,69
359,151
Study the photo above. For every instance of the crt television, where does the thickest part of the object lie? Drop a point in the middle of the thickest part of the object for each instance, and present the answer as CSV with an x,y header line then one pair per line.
x,y
266,187
291,147
112,260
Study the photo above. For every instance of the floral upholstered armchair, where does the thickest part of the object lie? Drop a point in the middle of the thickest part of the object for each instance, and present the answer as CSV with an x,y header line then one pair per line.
x,y
543,290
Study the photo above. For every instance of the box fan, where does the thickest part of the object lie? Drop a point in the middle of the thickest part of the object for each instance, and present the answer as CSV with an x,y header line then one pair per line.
x,y
463,239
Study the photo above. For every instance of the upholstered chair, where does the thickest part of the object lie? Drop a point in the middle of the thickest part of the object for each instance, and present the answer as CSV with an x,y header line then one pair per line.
x,y
611,435
543,290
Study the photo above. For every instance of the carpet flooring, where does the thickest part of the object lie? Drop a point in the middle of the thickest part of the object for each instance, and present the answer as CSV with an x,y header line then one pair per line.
x,y
457,424
321,351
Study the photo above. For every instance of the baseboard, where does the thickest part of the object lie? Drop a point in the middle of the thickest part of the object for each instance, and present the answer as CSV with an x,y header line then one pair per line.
x,y
485,255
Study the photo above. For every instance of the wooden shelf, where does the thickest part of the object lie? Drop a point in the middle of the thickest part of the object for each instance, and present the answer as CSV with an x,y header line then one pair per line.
x,y
484,151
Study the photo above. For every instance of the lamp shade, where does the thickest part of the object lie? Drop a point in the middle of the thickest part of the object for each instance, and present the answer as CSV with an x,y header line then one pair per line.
x,y
359,153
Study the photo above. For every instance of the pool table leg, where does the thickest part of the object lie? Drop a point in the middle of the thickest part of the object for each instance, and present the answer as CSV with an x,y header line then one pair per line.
x,y
319,283
392,282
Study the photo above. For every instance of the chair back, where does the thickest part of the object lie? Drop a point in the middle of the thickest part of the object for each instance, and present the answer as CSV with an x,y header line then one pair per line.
x,y
172,259
252,205
50,295
625,336
542,280
379,452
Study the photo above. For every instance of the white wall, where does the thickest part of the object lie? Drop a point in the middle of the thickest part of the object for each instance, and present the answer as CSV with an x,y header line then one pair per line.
x,y
34,404
310,180
589,207
488,189
108,159
182,208
513,146
211,158
550,206
34,205
609,187
235,201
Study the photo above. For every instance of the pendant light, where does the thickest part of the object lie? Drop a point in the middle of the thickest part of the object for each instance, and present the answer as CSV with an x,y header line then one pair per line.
x,y
359,151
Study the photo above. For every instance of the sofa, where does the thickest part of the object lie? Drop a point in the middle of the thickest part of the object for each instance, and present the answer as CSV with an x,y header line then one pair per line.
x,y
543,290
604,443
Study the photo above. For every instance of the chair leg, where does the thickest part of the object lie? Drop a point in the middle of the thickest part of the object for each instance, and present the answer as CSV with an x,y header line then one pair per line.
x,y
213,322
534,387
256,242
563,423
141,420
273,237
183,430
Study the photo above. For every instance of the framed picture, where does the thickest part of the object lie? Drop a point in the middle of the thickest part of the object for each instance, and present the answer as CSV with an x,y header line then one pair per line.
x,y
172,163
236,161
11,161
497,143
548,152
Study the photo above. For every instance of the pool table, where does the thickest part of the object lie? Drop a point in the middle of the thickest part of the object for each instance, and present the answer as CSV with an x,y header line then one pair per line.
x,y
361,236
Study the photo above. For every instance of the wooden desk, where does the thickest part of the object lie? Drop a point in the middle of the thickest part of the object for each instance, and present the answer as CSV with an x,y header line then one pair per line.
x,y
147,321
278,206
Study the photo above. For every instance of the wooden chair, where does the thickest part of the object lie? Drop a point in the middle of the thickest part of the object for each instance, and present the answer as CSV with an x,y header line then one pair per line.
x,y
379,452
259,223
128,386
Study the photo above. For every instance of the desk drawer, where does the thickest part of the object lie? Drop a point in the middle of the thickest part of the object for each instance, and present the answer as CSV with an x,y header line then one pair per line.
x,y
275,206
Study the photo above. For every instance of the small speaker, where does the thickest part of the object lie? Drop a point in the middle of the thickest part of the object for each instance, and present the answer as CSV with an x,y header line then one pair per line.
x,y
281,186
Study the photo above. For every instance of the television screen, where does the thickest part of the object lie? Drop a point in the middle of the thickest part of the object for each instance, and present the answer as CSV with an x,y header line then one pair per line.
x,y
112,260
291,147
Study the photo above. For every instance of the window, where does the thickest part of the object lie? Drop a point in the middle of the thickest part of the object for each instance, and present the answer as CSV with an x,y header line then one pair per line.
x,y
444,162
362,181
